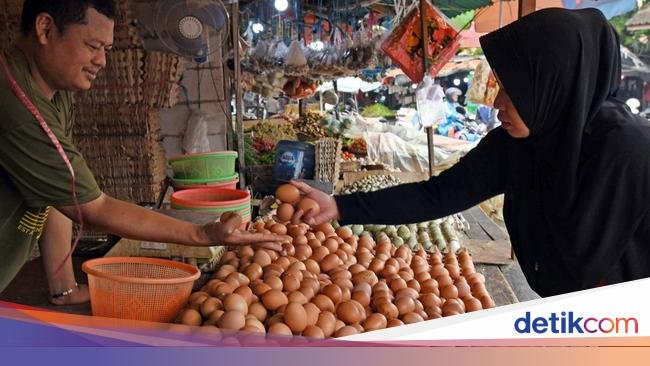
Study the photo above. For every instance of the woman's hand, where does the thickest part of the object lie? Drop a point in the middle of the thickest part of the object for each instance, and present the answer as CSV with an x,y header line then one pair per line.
x,y
328,209
227,232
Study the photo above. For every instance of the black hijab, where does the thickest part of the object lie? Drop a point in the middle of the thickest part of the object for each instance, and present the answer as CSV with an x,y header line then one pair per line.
x,y
579,187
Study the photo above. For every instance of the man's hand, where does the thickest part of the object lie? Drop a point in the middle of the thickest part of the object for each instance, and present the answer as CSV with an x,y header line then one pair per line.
x,y
328,209
227,232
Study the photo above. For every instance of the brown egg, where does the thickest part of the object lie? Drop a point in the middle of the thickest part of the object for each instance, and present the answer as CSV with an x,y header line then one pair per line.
x,y
410,318
487,302
285,212
261,288
287,193
274,282
326,322
323,302
449,292
444,281
375,321
273,299
463,288
262,258
312,266
452,307
331,244
333,292
475,278
397,284
300,240
198,296
326,228
348,312
298,297
394,323
315,243
453,269
253,271
409,292
232,319
388,309
346,331
307,204
344,233
235,302
280,329
290,282
361,297
313,331
209,305
330,262
338,325
223,289
190,317
303,252
258,310
405,305
276,318
429,300
246,293
472,304
295,317
312,311
365,276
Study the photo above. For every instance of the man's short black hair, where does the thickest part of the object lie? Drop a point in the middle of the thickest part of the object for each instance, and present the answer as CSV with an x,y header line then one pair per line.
x,y
64,12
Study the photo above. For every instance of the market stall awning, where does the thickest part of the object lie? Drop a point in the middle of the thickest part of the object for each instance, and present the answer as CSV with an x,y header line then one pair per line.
x,y
501,13
452,8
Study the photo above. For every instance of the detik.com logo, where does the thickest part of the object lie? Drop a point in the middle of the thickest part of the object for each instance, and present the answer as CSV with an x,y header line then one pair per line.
x,y
568,323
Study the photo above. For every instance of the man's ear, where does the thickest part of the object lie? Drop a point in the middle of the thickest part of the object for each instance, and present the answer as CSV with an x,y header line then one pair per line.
x,y
44,28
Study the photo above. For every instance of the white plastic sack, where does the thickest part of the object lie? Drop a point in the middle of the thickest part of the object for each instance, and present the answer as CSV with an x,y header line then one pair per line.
x,y
195,139
431,107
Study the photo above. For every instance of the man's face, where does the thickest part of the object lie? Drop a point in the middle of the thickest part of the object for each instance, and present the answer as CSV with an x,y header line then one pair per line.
x,y
72,60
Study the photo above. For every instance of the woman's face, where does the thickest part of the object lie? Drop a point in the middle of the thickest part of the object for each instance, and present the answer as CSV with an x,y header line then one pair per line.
x,y
510,119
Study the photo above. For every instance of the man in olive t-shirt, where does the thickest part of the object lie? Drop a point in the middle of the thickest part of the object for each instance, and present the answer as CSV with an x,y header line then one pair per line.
x,y
62,49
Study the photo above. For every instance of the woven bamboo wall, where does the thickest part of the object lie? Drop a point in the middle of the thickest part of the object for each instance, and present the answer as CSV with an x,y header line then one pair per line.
x,y
117,122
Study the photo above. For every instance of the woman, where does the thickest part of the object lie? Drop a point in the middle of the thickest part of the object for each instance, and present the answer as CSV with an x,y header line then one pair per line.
x,y
573,162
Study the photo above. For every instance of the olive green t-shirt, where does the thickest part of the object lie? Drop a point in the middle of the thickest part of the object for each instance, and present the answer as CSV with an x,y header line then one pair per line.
x,y
33,176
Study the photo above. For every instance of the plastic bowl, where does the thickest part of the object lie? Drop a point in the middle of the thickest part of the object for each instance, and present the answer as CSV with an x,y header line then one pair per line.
x,y
228,183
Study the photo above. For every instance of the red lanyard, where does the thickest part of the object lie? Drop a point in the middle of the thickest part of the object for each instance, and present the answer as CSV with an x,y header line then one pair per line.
x,y
34,111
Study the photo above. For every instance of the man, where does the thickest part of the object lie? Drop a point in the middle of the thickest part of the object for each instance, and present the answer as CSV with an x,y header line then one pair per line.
x,y
62,49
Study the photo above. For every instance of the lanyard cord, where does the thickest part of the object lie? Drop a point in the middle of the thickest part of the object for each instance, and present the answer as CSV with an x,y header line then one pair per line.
x,y
34,111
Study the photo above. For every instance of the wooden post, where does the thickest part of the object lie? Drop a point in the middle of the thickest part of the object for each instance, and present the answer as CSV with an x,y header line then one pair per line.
x,y
526,7
239,106
425,67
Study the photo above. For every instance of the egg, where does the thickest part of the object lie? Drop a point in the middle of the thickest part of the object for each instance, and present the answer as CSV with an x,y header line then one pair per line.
x,y
232,319
333,292
279,229
273,299
253,271
295,317
258,310
348,312
429,300
280,329
287,193
191,317
326,322
323,302
449,292
346,331
375,321
312,312
209,305
308,204
297,296
394,323
285,212
405,305
361,297
274,281
262,258
312,266
301,240
235,302
487,302
276,318
410,318
261,288
313,331
472,304
290,283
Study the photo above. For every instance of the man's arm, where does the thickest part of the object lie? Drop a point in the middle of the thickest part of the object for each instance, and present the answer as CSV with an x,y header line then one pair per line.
x,y
135,222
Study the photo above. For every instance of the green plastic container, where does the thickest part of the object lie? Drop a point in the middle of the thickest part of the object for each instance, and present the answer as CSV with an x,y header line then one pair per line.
x,y
212,165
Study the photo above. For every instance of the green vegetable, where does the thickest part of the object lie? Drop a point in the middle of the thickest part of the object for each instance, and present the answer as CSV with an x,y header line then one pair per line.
x,y
377,110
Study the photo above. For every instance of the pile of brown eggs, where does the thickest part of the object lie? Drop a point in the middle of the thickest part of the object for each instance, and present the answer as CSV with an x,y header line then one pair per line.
x,y
331,283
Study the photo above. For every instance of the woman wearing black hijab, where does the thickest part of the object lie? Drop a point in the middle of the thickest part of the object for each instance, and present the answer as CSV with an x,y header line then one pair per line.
x,y
572,161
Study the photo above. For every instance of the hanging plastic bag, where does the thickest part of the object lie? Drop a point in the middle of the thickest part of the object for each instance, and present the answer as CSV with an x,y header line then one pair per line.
x,y
484,87
195,139
404,45
431,107
296,62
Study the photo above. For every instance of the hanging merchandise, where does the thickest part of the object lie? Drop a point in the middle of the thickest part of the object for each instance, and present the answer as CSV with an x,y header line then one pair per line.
x,y
484,87
404,45
296,62
431,107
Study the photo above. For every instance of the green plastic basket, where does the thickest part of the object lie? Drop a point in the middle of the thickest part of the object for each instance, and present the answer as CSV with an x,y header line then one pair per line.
x,y
213,165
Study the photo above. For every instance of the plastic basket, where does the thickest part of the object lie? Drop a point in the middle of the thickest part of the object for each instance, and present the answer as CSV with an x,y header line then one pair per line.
x,y
139,288
228,183
213,165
